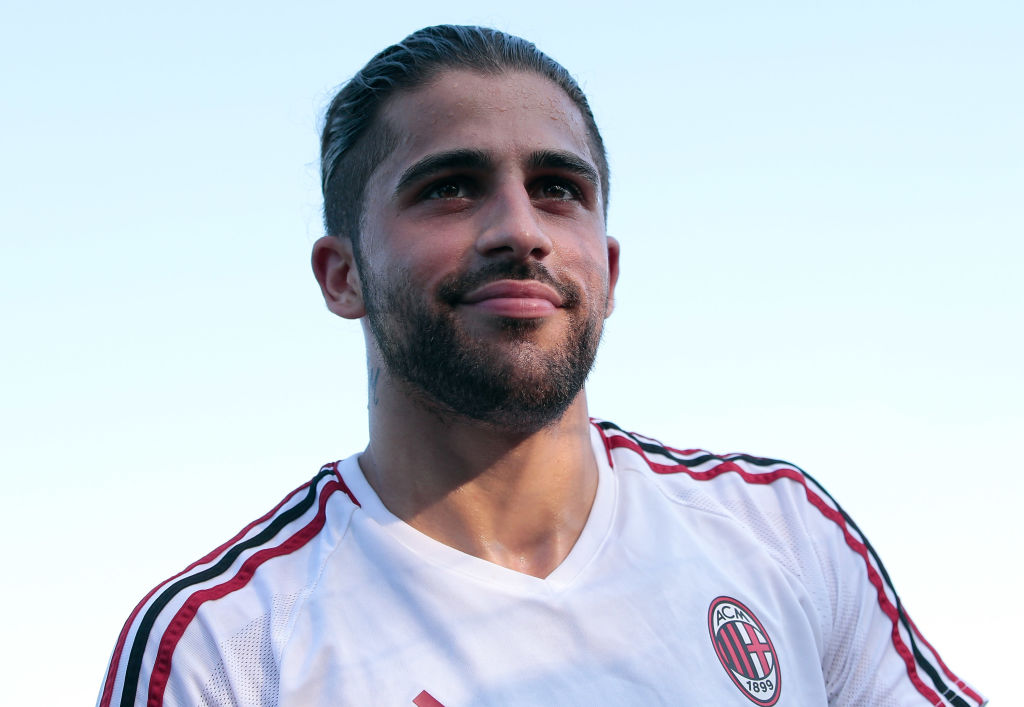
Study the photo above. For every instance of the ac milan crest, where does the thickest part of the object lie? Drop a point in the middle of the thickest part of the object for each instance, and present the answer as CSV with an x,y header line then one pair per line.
x,y
745,650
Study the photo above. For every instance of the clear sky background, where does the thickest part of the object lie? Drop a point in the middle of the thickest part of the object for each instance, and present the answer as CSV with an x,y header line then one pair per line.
x,y
821,215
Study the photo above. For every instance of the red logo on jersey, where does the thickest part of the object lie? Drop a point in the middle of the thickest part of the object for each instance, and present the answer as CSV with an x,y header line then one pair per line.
x,y
745,650
425,699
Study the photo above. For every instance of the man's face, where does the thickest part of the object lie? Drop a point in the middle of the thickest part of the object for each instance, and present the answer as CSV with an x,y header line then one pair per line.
x,y
486,273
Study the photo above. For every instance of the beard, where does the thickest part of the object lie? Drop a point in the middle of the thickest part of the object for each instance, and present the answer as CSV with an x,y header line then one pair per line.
x,y
503,379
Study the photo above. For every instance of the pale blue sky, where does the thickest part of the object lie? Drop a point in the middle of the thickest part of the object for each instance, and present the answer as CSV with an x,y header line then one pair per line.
x,y
820,208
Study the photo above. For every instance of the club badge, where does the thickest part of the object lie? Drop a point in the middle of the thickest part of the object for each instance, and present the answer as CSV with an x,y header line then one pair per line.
x,y
745,650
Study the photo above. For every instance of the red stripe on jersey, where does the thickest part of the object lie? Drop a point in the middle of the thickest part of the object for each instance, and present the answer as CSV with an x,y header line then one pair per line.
x,y
604,439
832,514
344,486
949,673
176,628
108,686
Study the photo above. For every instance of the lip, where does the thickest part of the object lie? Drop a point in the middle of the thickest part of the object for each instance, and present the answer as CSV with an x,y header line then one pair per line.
x,y
523,299
514,289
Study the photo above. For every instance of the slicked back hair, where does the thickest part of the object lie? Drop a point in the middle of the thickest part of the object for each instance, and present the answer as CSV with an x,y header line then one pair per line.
x,y
356,139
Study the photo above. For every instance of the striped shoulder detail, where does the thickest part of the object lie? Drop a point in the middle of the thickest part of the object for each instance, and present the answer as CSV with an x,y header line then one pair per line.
x,y
282,530
925,668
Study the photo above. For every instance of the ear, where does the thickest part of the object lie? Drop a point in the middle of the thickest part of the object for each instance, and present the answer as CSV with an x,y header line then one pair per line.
x,y
613,272
334,266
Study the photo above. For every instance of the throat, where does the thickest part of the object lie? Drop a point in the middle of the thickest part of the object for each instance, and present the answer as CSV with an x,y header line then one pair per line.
x,y
522,507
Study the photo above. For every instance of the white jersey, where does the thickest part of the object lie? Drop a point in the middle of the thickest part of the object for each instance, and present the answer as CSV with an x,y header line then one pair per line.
x,y
698,579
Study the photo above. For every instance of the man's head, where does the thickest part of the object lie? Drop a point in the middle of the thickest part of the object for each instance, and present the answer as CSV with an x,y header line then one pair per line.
x,y
481,262
356,138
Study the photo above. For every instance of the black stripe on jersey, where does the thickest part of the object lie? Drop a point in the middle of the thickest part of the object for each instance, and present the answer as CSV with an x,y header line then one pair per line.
x,y
141,637
922,661
660,449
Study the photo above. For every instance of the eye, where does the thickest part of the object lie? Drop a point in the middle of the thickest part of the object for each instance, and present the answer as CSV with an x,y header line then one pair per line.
x,y
448,189
558,190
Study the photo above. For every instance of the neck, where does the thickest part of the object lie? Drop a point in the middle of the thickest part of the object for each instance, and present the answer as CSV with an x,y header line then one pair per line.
x,y
518,499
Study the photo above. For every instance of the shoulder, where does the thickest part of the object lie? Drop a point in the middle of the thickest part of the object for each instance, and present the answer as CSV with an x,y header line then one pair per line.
x,y
789,513
790,516
872,651
735,483
771,503
245,587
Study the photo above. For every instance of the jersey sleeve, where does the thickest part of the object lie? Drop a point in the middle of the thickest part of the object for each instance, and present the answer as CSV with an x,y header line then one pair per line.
x,y
238,670
208,635
200,638
873,653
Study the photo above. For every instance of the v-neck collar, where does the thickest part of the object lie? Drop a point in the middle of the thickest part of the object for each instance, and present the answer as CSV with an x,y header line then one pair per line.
x,y
593,536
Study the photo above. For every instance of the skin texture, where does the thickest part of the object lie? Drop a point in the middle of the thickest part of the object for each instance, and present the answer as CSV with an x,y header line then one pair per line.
x,y
483,245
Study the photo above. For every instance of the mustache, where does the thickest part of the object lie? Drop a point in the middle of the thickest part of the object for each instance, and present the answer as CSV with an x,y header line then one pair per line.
x,y
453,288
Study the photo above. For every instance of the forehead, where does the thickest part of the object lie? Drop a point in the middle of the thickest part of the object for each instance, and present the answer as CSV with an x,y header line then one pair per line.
x,y
508,115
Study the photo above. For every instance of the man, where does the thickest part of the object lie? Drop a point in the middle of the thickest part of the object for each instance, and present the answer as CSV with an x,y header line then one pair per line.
x,y
493,544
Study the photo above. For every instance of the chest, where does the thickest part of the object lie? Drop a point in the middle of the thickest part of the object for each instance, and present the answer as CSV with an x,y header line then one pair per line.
x,y
667,611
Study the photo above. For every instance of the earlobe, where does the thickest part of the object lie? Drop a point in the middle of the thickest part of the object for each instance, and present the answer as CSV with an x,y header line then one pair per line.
x,y
613,273
334,266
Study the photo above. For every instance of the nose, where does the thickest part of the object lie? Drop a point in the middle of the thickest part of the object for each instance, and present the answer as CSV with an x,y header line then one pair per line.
x,y
512,227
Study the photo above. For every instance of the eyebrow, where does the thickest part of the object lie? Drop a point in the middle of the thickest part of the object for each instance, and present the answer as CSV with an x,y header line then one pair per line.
x,y
442,162
479,160
566,161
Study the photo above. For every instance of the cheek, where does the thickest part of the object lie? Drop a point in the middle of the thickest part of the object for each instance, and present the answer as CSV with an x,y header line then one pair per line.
x,y
416,280
590,267
422,253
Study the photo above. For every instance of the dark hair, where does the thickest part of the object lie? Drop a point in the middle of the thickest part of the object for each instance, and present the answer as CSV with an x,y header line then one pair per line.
x,y
355,140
